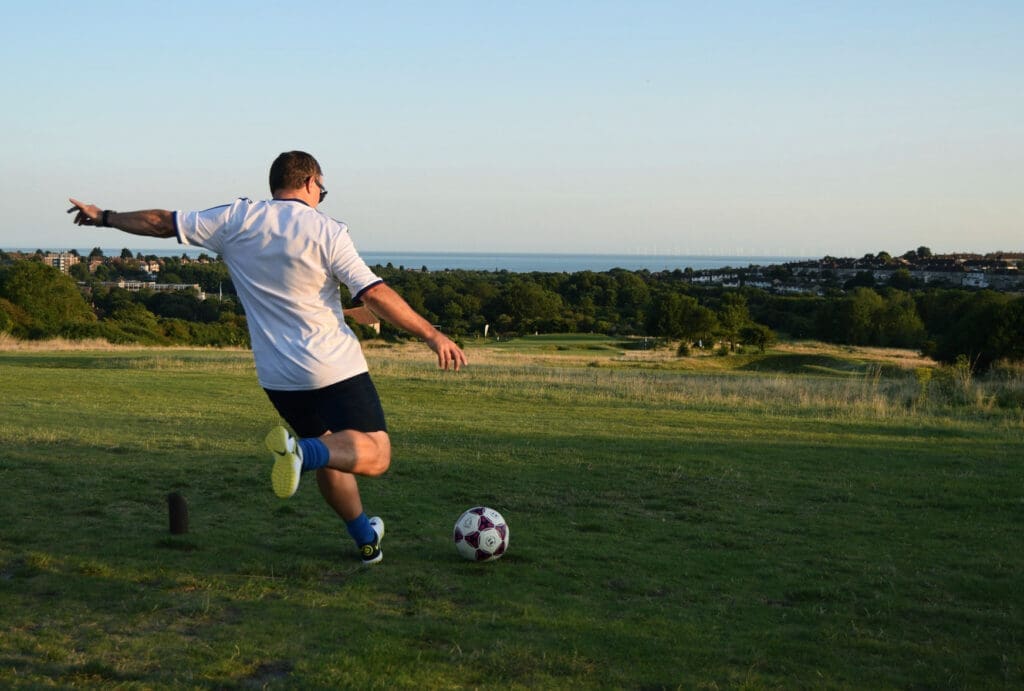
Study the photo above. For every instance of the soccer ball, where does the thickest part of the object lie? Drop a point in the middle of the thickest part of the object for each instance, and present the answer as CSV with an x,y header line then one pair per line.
x,y
481,534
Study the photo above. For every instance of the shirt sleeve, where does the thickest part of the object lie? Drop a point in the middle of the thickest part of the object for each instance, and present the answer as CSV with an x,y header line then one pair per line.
x,y
348,267
203,228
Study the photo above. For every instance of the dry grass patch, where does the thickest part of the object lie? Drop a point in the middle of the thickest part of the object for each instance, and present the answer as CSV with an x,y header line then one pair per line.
x,y
900,357
9,343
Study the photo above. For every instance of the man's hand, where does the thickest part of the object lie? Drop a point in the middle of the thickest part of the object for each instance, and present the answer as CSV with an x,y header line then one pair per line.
x,y
449,355
389,305
154,223
88,214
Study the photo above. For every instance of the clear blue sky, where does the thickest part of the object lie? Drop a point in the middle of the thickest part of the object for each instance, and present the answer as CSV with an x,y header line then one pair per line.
x,y
797,128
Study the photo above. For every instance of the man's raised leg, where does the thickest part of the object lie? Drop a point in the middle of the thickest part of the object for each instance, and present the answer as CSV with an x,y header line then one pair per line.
x,y
359,453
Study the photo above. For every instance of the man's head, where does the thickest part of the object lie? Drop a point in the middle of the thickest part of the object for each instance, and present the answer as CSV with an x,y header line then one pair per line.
x,y
296,170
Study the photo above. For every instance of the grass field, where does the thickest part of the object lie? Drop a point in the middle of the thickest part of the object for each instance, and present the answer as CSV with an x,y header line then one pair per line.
x,y
810,517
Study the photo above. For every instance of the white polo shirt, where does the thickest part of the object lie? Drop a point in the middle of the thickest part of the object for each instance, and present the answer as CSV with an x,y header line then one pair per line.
x,y
287,261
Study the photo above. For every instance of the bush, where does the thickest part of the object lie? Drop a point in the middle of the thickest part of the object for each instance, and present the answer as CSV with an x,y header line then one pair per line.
x,y
954,384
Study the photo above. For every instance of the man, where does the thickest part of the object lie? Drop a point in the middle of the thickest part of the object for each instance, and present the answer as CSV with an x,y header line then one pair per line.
x,y
287,260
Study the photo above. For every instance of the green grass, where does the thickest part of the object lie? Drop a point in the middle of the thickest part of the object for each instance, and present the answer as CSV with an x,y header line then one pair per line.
x,y
719,527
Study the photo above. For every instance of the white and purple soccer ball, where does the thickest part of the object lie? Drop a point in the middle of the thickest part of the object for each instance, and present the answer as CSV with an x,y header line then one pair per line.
x,y
481,534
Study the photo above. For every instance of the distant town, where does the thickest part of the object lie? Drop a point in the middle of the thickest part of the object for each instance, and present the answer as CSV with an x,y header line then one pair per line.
x,y
999,271
129,271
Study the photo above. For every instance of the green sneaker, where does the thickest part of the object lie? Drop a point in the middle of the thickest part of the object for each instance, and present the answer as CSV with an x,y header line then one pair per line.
x,y
371,552
284,476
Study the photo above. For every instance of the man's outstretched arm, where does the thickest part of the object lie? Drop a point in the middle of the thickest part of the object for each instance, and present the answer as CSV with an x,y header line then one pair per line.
x,y
389,306
156,223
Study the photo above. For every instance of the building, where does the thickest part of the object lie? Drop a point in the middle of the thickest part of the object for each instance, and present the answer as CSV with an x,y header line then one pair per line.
x,y
136,286
62,261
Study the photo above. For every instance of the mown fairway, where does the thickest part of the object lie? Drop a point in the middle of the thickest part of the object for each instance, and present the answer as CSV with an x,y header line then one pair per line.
x,y
792,521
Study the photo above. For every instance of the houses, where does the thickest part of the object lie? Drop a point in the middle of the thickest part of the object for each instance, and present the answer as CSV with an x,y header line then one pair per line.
x,y
1000,271
147,269
136,286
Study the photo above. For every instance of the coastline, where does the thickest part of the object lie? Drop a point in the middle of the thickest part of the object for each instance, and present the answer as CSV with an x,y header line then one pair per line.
x,y
514,262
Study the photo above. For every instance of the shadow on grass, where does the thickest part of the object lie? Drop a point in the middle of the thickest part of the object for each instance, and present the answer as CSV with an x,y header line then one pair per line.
x,y
806,364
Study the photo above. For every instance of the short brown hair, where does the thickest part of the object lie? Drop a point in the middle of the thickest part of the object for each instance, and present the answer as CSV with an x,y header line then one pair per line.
x,y
290,170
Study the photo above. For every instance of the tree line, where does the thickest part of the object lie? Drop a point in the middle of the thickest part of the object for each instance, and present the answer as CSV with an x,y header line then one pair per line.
x,y
37,301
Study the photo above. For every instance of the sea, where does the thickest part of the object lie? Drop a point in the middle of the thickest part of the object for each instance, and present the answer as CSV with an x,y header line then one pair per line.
x,y
568,263
517,262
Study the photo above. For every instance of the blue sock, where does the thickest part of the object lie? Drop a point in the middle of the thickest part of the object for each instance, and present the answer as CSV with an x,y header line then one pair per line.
x,y
361,530
314,454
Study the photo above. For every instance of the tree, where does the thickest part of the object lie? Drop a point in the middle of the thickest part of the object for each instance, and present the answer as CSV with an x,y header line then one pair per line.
x,y
177,305
50,298
733,315
757,335
902,280
530,306
630,291
138,322
6,320
80,272
212,277
700,324
860,310
984,327
899,324
674,315
864,279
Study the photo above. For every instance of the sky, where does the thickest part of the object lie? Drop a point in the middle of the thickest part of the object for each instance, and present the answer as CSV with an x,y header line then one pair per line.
x,y
640,127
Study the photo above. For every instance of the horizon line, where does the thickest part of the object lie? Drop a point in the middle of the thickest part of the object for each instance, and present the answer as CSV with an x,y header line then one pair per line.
x,y
513,253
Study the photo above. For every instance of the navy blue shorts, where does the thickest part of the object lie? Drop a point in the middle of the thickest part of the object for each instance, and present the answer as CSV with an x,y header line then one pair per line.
x,y
349,404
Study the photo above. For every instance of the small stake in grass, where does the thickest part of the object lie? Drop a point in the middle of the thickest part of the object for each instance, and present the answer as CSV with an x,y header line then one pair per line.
x,y
177,509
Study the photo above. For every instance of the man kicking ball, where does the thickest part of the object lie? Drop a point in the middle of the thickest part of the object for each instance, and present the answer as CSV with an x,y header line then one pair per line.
x,y
287,261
